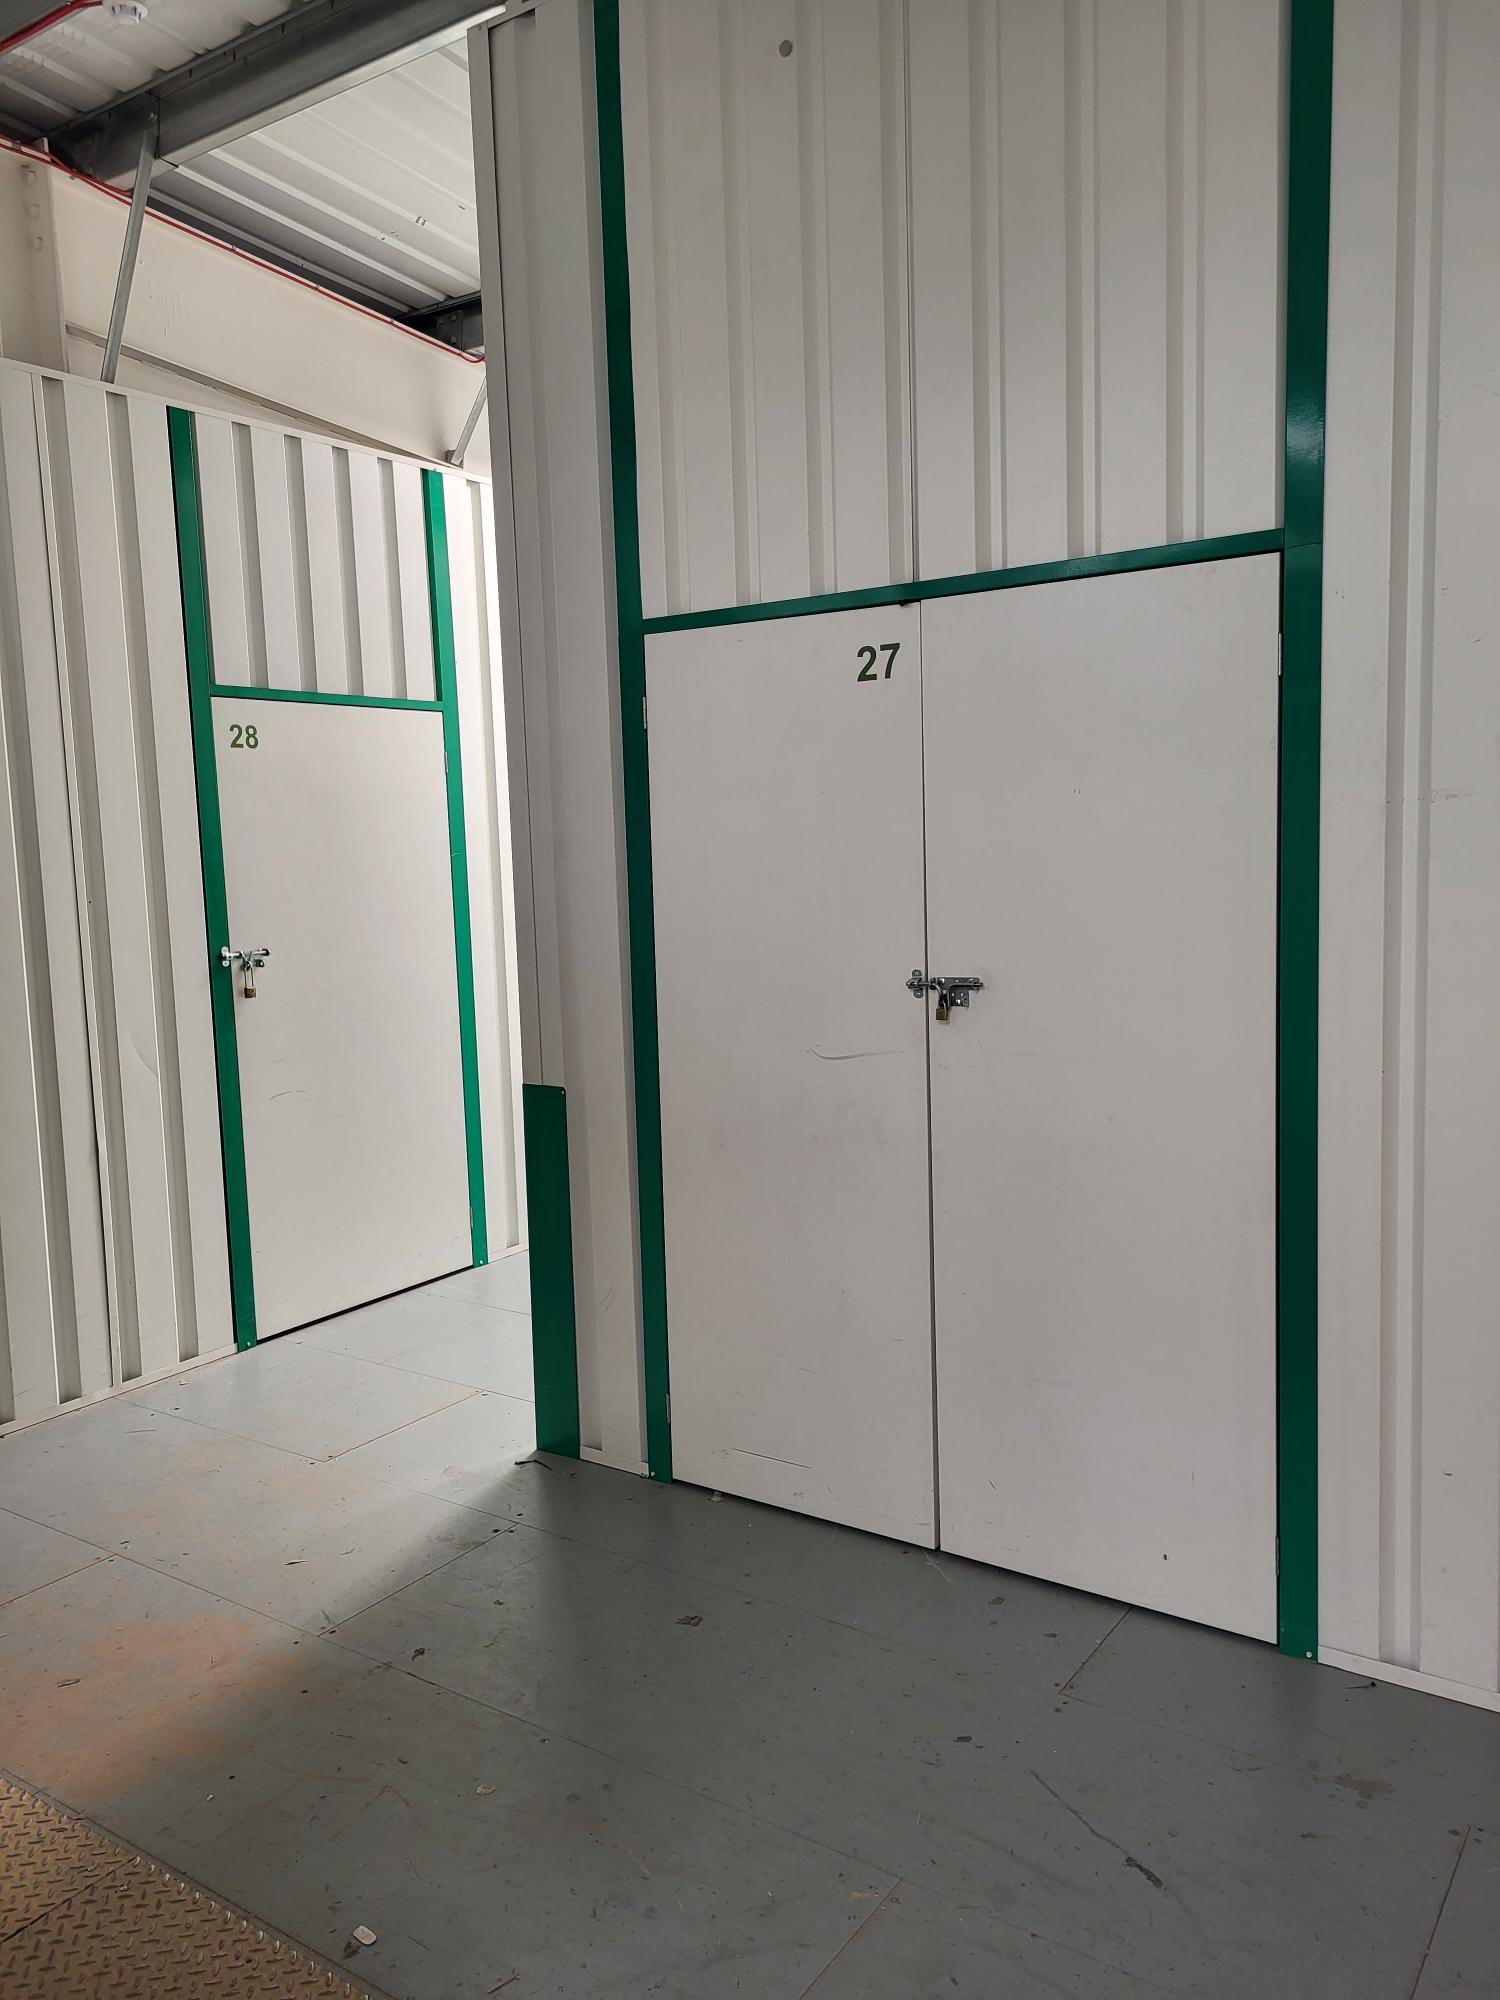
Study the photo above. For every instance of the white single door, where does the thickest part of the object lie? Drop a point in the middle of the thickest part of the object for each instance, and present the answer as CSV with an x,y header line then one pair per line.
x,y
335,827
1101,816
786,814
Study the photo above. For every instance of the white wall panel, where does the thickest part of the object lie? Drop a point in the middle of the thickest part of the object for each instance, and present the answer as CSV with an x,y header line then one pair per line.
x,y
1410,1256
535,128
1096,288
1085,352
766,216
112,1213
317,564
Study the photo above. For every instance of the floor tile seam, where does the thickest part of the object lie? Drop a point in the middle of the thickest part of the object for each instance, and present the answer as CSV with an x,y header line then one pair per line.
x,y
422,1374
176,1576
16,1597
323,1632
394,1430
808,1991
548,1731
1437,1922
864,1860
1067,1686
745,1593
1457,1820
679,1785
467,1299
199,1424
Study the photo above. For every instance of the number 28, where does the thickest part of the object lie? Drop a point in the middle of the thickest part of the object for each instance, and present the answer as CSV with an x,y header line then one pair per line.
x,y
867,656
244,736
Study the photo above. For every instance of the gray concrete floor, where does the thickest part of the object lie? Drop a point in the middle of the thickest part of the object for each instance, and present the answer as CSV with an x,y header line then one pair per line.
x,y
298,1624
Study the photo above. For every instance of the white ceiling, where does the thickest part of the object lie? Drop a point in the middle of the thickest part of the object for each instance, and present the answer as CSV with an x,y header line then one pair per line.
x,y
371,191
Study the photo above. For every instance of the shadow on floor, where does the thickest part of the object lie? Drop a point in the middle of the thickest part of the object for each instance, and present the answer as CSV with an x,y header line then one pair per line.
x,y
542,1719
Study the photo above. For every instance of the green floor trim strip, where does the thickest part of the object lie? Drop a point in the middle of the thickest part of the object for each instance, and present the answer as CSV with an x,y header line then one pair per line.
x,y
554,1330
1309,124
445,672
182,436
635,774
324,700
1166,555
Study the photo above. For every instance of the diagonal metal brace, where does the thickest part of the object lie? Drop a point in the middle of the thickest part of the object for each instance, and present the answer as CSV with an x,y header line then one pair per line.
x,y
129,250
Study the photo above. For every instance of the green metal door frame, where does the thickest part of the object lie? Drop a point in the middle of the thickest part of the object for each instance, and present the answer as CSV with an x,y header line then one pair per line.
x,y
202,691
1310,111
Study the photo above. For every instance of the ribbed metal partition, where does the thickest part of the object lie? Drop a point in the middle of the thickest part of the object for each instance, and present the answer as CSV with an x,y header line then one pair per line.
x,y
918,290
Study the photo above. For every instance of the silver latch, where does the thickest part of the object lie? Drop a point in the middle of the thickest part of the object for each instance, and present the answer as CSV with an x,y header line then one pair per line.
x,y
952,992
249,962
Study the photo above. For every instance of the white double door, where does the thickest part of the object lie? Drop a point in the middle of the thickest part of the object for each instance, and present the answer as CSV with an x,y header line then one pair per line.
x,y
1004,1280
336,859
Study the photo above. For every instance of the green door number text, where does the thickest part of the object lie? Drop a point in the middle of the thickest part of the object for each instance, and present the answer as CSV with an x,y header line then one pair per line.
x,y
244,736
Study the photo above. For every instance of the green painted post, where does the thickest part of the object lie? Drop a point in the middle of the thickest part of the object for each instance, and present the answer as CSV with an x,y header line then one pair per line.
x,y
554,1329
197,634
446,674
635,774
1309,164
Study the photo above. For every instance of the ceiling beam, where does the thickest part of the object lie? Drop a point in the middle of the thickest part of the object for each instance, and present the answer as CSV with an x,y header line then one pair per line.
x,y
456,322
319,48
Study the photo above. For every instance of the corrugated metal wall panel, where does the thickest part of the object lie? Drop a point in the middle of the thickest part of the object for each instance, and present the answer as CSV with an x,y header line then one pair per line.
x,y
765,161
317,565
1085,353
109,1056
56,1342
1410,1259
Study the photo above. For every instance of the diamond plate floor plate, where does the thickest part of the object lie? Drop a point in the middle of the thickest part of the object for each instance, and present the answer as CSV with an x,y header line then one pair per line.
x,y
83,1917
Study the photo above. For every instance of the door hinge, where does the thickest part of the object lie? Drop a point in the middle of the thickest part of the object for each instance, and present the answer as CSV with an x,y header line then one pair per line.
x,y
1279,644
1278,1555
643,711
669,1406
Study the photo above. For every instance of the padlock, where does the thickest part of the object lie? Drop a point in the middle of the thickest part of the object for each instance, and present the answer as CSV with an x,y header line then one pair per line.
x,y
249,987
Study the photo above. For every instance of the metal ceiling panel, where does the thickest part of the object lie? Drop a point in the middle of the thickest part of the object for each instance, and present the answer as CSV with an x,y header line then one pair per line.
x,y
91,57
370,192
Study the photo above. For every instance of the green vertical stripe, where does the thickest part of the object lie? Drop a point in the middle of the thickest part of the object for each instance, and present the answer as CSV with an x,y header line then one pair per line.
x,y
445,671
1309,125
635,773
182,435
554,1336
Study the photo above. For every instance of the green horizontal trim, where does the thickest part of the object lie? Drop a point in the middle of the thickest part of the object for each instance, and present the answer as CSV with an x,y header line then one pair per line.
x,y
1218,548
554,1340
327,700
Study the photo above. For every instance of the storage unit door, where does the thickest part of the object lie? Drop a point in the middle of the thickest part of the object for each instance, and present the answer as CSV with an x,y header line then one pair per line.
x,y
1101,796
786,815
335,826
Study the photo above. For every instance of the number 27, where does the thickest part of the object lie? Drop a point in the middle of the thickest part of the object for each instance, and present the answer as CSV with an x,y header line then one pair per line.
x,y
867,655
